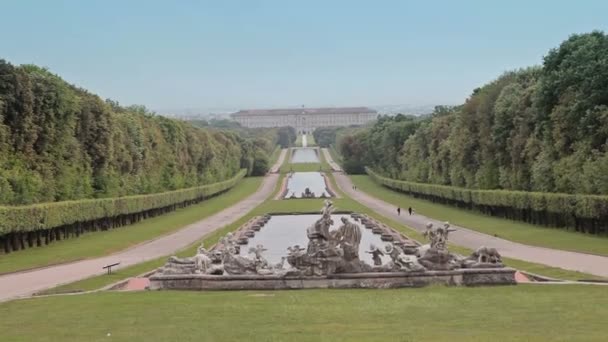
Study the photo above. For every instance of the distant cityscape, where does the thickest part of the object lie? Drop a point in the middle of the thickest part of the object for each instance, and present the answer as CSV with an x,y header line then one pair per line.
x,y
224,113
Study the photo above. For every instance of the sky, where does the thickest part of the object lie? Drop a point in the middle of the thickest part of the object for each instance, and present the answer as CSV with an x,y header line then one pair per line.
x,y
261,54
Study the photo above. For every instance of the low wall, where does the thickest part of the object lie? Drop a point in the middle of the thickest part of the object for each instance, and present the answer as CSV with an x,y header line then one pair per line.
x,y
461,277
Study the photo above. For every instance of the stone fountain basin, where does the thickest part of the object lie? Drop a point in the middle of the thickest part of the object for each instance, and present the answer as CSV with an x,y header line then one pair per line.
x,y
375,280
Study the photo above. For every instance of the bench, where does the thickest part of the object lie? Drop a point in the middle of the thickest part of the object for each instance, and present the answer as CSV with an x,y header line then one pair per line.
x,y
109,267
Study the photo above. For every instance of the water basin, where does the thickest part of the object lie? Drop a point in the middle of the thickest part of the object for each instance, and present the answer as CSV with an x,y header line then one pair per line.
x,y
284,231
299,181
305,155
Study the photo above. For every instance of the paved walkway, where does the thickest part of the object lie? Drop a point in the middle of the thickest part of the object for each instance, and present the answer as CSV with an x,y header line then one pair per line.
x,y
27,283
277,166
592,264
334,166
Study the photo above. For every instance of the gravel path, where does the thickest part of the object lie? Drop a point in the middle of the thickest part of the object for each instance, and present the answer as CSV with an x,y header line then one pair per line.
x,y
334,166
277,166
592,264
26,283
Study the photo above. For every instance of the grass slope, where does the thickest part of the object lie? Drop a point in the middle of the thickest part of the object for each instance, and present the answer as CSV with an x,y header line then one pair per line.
x,y
103,243
506,229
310,140
511,313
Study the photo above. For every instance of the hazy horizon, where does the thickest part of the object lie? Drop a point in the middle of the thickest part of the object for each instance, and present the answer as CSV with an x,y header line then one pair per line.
x,y
266,54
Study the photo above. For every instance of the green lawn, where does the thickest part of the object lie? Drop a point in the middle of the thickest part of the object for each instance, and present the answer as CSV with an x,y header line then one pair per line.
x,y
506,229
510,313
298,142
103,243
310,140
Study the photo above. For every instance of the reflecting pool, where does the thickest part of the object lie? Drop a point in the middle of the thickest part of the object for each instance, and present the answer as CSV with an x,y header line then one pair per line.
x,y
284,231
299,181
304,155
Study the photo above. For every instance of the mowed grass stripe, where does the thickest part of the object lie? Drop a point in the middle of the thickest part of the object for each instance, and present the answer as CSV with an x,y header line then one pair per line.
x,y
506,313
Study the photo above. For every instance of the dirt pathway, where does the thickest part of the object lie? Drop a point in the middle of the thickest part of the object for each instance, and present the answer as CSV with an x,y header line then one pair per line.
x,y
334,166
277,166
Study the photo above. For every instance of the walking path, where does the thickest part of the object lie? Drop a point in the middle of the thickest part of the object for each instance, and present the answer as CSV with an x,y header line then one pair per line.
x,y
592,264
26,283
277,166
334,166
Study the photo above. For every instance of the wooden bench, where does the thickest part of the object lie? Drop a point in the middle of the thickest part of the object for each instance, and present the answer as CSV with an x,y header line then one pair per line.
x,y
109,267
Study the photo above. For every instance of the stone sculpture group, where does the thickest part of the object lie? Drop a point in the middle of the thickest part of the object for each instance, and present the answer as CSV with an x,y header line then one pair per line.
x,y
333,251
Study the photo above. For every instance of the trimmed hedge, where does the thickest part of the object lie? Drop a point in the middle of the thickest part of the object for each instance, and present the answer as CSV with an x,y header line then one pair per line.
x,y
52,221
584,213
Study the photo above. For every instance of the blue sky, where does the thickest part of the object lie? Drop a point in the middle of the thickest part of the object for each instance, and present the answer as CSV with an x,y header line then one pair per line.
x,y
237,54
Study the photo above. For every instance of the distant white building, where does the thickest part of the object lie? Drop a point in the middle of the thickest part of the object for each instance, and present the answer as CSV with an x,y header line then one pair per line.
x,y
305,120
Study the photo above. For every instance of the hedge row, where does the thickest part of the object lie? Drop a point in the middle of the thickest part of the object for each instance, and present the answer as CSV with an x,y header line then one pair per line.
x,y
51,215
586,213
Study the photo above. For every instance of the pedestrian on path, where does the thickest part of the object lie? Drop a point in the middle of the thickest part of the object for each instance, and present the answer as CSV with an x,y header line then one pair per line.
x,y
410,210
399,211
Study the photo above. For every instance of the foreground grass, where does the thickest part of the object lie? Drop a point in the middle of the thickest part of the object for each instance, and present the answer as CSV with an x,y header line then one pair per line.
x,y
506,229
511,313
102,243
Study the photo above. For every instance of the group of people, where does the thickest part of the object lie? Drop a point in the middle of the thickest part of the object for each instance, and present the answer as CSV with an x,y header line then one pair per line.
x,y
409,210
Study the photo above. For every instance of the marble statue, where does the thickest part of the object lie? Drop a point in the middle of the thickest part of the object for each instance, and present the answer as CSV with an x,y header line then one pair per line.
x,y
348,236
483,257
308,194
202,261
376,254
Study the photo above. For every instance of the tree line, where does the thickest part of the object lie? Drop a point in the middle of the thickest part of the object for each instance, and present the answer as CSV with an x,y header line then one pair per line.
x,y
531,145
59,142
540,129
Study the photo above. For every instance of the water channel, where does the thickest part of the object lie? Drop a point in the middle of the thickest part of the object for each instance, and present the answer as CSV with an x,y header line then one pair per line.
x,y
305,155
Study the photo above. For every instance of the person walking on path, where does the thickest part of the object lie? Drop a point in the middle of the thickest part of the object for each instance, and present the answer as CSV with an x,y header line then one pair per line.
x,y
410,210
399,211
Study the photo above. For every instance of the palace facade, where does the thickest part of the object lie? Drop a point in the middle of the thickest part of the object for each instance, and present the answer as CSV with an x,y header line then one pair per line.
x,y
305,120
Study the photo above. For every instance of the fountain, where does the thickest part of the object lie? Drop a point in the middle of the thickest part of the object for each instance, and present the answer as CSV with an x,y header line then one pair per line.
x,y
331,258
306,185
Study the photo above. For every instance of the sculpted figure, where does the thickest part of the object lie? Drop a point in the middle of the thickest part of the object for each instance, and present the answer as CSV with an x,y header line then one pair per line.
x,y
376,254
349,238
228,242
483,257
395,253
402,261
258,258
202,261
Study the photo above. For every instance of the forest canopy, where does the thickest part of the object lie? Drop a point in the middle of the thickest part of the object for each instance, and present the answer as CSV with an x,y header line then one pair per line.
x,y
59,142
537,129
